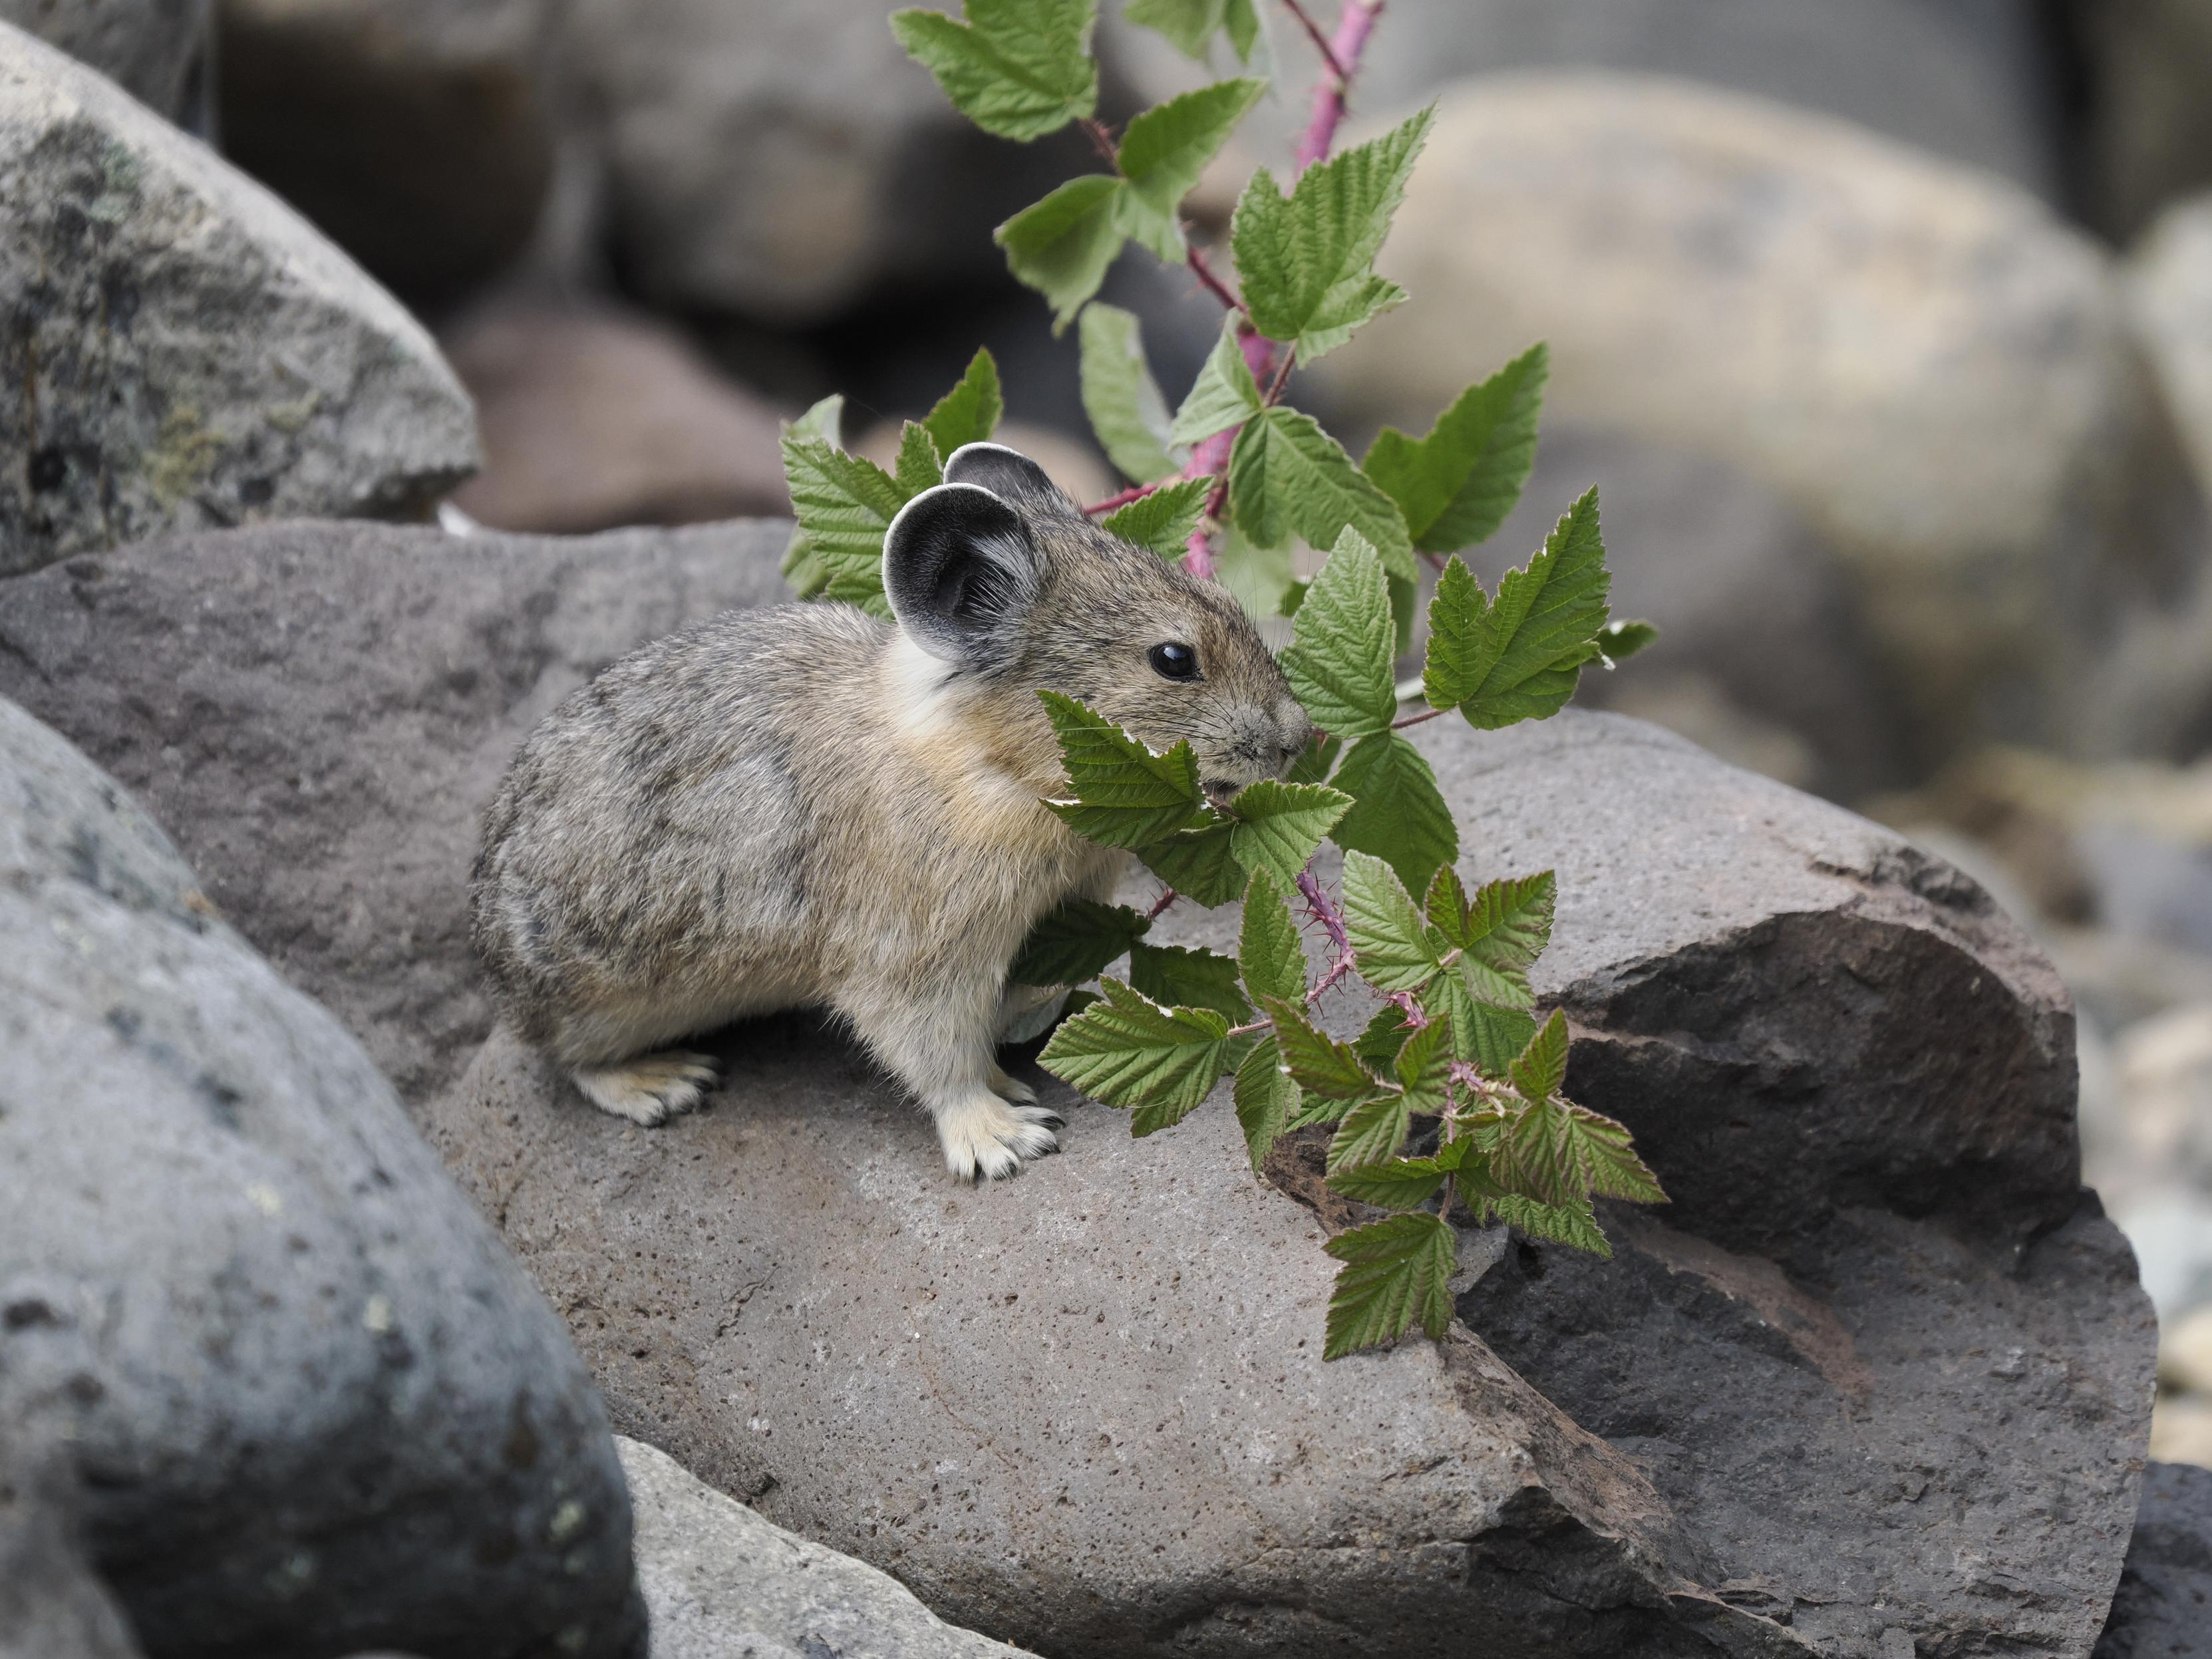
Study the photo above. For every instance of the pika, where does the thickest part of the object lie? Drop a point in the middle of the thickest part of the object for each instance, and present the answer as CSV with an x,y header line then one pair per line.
x,y
805,806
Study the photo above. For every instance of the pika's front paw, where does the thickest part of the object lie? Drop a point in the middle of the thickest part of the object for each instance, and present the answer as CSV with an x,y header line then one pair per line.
x,y
986,1138
650,1089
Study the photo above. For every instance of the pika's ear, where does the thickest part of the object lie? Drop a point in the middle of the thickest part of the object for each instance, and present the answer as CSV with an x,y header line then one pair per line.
x,y
1009,474
959,566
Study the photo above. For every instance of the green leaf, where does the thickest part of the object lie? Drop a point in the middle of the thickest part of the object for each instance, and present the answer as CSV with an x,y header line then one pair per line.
x,y
1339,661
1267,1098
1541,1070
844,504
1401,1184
1163,520
1322,1065
1622,639
1391,946
969,413
918,467
1120,397
1456,485
1611,1161
1537,1157
1128,1051
1304,258
1257,578
1371,1131
1574,1225
1503,930
1483,1035
822,420
1198,863
1281,825
802,566
1424,1068
1224,394
1398,813
1076,941
1192,24
1518,658
1124,795
1268,948
1062,246
1394,1273
1287,477
1180,976
1385,1038
1166,149
1315,764
1016,67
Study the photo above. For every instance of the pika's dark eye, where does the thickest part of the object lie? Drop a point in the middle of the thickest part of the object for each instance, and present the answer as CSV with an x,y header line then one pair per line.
x,y
1175,662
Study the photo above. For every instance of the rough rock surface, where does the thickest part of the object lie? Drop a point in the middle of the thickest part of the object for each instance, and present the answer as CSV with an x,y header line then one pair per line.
x,y
722,1584
324,738
157,51
856,171
1926,360
596,417
311,1404
178,349
2163,1609
418,134
1113,1434
51,1607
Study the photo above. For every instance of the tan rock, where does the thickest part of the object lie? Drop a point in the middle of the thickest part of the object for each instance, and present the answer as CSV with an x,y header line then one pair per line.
x,y
2170,296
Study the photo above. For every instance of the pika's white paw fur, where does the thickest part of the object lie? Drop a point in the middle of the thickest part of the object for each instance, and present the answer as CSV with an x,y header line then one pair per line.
x,y
1011,1088
986,1139
650,1089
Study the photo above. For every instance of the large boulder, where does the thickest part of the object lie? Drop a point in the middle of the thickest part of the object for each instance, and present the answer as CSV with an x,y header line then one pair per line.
x,y
1933,368
418,134
51,1605
324,736
2149,69
595,417
782,161
2170,291
309,1403
160,52
723,1583
1084,1411
181,348
2163,1609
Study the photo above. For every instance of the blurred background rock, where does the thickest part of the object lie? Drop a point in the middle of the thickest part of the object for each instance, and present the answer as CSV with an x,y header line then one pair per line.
x,y
1886,329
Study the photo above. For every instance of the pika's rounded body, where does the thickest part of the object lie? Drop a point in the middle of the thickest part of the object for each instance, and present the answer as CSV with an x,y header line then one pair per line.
x,y
806,806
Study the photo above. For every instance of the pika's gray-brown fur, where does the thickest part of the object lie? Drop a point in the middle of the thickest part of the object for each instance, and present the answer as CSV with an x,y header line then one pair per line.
x,y
806,806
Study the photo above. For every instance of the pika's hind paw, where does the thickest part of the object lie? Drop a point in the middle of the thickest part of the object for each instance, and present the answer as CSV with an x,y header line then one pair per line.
x,y
650,1089
987,1138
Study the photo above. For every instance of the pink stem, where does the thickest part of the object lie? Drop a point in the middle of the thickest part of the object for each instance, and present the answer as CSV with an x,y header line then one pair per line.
x,y
1323,910
1133,493
1415,719
1159,909
1353,28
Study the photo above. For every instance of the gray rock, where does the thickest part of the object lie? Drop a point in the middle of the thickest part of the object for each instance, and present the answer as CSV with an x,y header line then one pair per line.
x,y
722,1584
1925,361
160,52
2169,278
1073,1410
2163,1609
310,1403
1112,1433
182,350
2148,65
856,175
325,739
418,134
51,1607
1968,80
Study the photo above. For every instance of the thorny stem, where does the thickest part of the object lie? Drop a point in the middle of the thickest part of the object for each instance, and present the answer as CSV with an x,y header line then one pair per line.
x,y
1160,909
1201,268
1323,910
1133,493
1102,139
1321,41
1342,56
1415,719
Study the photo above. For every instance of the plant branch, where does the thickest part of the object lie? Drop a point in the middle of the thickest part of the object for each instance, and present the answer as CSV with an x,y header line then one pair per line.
x,y
1133,493
1321,41
1323,910
1341,54
1415,719
1160,908
1201,268
1102,139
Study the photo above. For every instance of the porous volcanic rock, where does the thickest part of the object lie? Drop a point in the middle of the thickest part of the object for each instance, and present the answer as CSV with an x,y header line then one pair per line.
x,y
2163,1609
722,1584
180,350
321,712
309,1403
